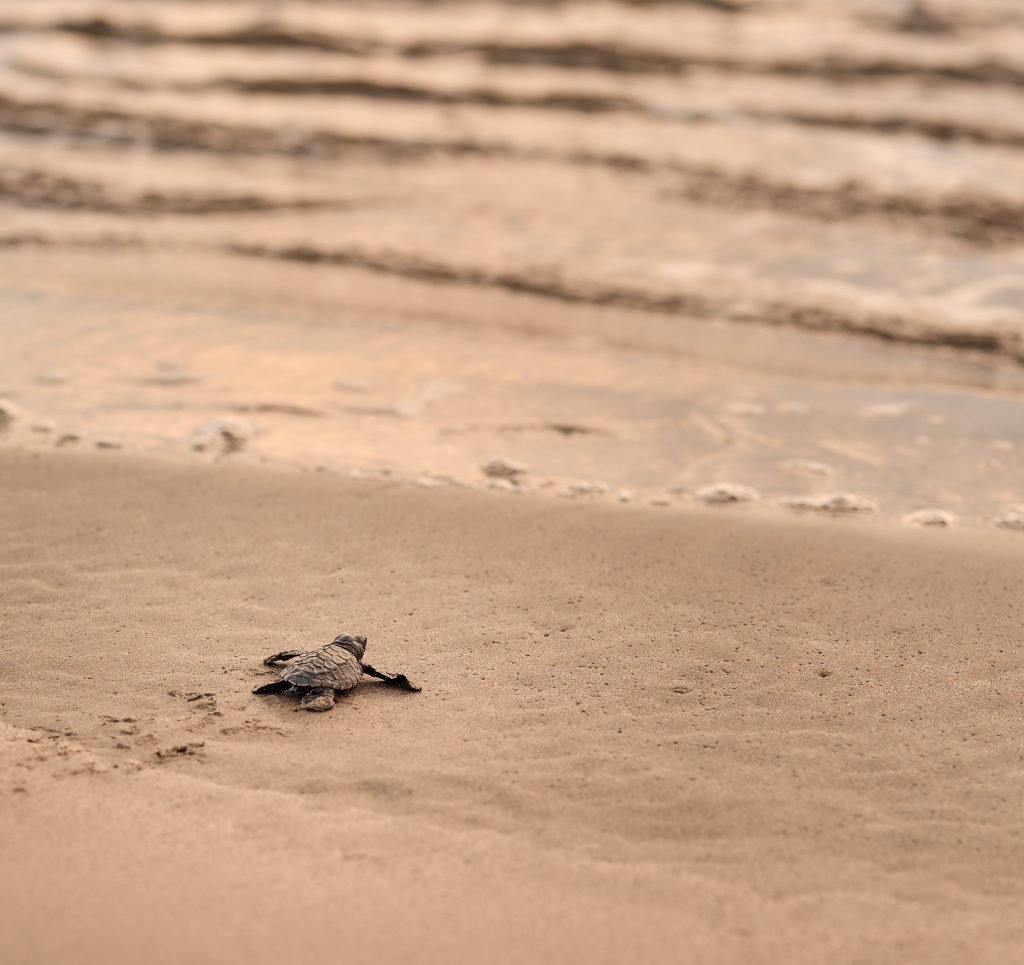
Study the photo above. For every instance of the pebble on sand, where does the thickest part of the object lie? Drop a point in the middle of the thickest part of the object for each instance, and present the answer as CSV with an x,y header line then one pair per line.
x,y
8,413
107,442
226,435
838,504
503,469
1012,518
930,517
625,496
722,493
42,425
661,501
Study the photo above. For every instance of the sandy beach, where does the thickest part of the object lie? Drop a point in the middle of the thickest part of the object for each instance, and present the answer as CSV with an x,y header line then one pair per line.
x,y
642,379
641,737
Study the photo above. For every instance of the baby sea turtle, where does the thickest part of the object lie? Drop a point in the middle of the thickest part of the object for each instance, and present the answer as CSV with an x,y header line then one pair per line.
x,y
319,674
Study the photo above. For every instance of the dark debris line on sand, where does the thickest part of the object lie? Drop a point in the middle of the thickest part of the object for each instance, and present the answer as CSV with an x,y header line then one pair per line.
x,y
812,317
973,217
569,54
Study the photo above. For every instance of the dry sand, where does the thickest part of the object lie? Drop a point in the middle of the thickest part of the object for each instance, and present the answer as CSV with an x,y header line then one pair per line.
x,y
642,736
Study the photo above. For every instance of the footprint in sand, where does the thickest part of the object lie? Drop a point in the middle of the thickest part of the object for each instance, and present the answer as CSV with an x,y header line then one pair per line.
x,y
206,701
177,751
251,726
127,726
199,702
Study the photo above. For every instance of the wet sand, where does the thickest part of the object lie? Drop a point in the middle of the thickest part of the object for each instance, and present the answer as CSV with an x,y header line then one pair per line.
x,y
349,372
642,736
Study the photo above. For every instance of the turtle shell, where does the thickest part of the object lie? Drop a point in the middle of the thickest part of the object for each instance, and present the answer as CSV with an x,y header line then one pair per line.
x,y
330,666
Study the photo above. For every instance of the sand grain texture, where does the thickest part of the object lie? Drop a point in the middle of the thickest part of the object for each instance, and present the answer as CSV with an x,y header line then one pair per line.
x,y
642,737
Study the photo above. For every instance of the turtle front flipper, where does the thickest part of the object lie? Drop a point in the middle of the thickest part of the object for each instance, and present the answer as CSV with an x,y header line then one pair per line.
x,y
319,698
281,657
274,687
399,680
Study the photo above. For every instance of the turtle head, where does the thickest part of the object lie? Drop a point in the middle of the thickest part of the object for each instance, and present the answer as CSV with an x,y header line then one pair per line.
x,y
354,645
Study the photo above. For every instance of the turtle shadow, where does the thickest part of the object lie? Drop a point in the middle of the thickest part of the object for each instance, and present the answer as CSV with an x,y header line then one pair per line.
x,y
293,696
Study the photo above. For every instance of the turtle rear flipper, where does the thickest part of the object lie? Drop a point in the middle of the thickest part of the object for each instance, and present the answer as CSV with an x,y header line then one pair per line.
x,y
399,680
281,657
274,687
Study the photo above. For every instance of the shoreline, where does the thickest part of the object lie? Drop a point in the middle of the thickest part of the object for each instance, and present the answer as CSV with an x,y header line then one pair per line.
x,y
347,372
723,498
